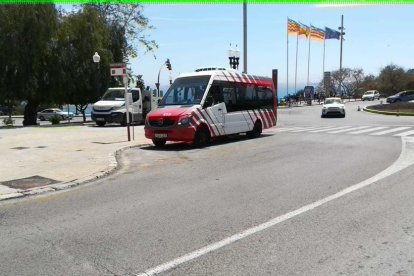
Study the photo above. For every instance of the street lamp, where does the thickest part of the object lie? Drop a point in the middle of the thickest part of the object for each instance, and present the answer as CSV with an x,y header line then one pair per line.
x,y
167,63
234,56
96,58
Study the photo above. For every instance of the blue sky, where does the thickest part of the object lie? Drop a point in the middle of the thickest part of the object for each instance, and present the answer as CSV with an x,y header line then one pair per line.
x,y
193,36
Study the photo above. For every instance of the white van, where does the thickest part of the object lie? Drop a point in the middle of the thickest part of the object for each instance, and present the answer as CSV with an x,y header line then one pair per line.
x,y
111,107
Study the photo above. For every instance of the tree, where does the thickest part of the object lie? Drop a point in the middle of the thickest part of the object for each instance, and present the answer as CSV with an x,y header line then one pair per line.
x,y
392,79
26,40
81,34
131,22
347,81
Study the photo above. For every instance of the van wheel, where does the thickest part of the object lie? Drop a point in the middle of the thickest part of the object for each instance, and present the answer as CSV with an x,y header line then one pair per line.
x,y
256,131
159,143
201,138
101,124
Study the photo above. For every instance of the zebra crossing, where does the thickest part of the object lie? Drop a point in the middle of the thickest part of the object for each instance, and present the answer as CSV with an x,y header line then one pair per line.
x,y
397,131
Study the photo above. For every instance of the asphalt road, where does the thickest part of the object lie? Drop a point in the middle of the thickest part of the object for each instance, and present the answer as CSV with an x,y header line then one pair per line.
x,y
164,204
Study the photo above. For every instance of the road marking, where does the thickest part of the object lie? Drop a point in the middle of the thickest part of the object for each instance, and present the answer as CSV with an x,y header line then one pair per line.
x,y
389,131
310,128
405,159
348,129
367,130
407,133
329,129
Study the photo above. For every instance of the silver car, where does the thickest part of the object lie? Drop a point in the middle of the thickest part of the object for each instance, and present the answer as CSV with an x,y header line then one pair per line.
x,y
54,113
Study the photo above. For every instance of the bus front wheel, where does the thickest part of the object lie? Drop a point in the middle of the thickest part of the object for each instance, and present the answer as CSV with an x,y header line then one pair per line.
x,y
201,138
159,143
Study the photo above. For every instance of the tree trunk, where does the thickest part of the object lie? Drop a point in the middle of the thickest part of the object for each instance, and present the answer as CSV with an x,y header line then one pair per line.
x,y
30,114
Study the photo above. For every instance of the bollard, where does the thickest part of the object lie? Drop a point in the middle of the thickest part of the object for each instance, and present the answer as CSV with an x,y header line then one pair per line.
x,y
359,109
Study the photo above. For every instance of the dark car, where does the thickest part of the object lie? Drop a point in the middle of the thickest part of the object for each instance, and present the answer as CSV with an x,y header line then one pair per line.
x,y
403,96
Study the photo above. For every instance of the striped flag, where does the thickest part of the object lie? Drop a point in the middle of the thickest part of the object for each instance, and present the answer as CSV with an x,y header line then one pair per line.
x,y
303,30
293,27
317,34
331,34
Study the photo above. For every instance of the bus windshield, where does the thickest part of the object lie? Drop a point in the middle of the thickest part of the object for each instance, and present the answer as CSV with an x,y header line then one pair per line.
x,y
186,91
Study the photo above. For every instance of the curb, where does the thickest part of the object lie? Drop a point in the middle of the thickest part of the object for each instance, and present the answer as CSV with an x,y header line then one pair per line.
x,y
110,169
388,112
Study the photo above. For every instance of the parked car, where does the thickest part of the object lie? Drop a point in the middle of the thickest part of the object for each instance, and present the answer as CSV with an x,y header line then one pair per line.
x,y
371,95
403,96
54,112
333,106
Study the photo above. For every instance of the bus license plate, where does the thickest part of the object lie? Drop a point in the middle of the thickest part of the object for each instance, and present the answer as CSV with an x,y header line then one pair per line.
x,y
161,135
100,119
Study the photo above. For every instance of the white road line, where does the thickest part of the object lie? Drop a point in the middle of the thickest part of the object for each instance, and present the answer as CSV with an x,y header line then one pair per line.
x,y
390,131
367,130
405,159
348,129
329,129
309,129
282,129
407,133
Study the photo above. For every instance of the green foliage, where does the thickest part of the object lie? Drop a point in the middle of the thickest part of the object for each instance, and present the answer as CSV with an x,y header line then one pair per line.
x,y
130,23
392,79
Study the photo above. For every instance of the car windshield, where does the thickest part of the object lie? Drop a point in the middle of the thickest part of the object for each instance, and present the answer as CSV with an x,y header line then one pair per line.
x,y
332,101
186,91
369,93
114,95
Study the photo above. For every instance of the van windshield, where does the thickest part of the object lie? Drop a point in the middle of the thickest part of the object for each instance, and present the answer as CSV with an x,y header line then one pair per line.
x,y
114,95
186,91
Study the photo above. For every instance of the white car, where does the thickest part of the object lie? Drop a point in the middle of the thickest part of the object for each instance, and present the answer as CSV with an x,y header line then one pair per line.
x,y
371,95
54,112
333,106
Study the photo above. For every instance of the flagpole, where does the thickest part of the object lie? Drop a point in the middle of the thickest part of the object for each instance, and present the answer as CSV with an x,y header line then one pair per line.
x,y
309,54
323,66
287,58
296,67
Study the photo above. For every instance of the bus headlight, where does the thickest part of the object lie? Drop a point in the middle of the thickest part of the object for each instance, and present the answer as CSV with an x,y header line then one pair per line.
x,y
184,122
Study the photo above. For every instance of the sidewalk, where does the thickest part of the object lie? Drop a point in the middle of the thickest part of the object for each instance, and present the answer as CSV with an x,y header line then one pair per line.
x,y
40,159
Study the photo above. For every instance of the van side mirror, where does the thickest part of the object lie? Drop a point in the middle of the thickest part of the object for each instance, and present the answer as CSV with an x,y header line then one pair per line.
x,y
208,102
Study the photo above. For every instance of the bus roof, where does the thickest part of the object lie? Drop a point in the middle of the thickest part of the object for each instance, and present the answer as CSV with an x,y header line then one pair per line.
x,y
232,75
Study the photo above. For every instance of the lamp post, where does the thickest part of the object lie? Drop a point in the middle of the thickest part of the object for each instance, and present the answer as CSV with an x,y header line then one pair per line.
x,y
234,57
96,58
168,64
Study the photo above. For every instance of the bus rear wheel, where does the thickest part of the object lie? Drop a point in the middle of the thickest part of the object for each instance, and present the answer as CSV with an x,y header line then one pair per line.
x,y
201,138
256,131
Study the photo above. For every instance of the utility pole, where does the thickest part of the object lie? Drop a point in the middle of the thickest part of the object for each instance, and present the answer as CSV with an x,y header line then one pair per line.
x,y
245,36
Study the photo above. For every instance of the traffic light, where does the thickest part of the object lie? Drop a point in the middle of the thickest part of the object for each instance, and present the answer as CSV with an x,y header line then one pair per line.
x,y
168,63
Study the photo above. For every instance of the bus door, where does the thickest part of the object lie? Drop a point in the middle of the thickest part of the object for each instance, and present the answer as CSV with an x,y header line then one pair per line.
x,y
235,120
216,110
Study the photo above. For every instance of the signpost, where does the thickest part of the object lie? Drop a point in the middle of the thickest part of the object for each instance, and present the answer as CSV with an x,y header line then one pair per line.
x,y
119,69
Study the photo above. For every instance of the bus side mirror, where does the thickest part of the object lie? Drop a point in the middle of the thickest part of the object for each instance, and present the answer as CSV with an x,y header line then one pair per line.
x,y
208,102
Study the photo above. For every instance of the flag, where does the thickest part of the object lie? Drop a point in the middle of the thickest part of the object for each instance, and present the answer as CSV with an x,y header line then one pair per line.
x,y
317,34
331,34
303,30
293,27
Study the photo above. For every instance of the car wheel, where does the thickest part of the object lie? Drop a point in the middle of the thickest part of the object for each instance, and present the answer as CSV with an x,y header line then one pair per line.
x,y
323,116
201,138
101,124
41,118
62,117
159,143
256,131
